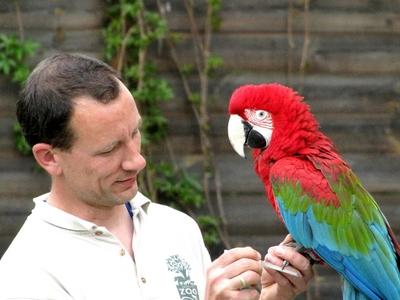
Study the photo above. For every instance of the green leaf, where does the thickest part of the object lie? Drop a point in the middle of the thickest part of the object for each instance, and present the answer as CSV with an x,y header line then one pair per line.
x,y
20,141
195,98
214,62
172,185
187,69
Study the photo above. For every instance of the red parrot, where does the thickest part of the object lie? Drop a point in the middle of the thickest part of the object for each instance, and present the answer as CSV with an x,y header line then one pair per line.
x,y
314,191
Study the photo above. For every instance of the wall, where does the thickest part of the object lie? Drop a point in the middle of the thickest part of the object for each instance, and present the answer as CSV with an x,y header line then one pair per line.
x,y
352,82
73,26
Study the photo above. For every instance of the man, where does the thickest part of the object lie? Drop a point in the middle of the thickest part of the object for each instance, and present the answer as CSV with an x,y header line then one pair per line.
x,y
94,236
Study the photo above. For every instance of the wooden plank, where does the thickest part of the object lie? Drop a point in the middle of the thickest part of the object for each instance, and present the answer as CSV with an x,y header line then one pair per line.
x,y
5,241
251,213
69,5
360,143
325,93
10,224
262,5
9,92
14,161
276,20
344,54
15,205
53,19
23,184
83,41
379,173
7,105
181,123
7,143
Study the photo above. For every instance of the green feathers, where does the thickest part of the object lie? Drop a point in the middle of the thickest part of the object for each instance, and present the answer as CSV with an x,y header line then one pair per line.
x,y
346,226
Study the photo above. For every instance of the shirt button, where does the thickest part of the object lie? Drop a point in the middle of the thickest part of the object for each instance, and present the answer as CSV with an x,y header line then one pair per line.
x,y
143,279
122,252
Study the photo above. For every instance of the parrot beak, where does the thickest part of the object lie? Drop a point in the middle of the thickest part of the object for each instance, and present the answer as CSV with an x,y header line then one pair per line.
x,y
242,133
237,134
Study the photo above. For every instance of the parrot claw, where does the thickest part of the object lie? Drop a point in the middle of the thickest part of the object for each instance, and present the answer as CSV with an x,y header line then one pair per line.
x,y
284,264
309,254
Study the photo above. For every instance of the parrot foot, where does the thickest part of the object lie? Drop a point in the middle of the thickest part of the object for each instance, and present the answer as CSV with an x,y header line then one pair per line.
x,y
308,253
284,264
299,248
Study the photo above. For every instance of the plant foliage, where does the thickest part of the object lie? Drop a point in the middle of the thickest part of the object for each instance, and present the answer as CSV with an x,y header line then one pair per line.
x,y
131,31
13,55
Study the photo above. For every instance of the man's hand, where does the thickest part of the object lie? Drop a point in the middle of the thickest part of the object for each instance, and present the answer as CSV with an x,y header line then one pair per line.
x,y
277,285
234,275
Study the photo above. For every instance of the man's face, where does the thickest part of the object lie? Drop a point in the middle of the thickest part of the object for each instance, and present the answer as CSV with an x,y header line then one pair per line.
x,y
102,166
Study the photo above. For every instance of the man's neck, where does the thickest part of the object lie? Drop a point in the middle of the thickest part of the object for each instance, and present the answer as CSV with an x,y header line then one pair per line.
x,y
116,218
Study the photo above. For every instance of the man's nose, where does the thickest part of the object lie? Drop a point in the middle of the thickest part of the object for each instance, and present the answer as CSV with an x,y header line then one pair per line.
x,y
134,160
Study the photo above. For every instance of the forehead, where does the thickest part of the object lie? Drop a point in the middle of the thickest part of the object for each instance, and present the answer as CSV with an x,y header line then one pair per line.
x,y
94,120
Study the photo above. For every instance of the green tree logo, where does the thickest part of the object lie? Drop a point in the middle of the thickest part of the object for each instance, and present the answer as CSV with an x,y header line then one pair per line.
x,y
186,287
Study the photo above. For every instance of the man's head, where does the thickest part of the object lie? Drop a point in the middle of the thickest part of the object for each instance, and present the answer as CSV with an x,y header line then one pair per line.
x,y
83,125
47,101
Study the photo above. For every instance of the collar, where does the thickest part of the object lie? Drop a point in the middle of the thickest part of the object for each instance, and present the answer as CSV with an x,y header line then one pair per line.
x,y
62,219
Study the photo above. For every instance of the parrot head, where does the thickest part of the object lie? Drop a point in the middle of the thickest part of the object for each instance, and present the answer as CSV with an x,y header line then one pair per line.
x,y
270,117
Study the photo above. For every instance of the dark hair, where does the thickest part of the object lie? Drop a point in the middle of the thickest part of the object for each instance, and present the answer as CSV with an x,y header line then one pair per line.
x,y
46,103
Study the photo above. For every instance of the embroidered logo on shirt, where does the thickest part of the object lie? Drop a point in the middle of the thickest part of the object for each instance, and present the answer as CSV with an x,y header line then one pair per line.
x,y
186,287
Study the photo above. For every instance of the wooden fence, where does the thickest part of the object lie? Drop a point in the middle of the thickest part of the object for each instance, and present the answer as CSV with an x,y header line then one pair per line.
x,y
351,80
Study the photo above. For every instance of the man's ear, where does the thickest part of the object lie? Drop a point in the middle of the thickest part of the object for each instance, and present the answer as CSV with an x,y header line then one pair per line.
x,y
47,158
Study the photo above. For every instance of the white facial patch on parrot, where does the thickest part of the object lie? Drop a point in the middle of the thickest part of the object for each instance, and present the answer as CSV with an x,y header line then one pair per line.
x,y
236,134
265,132
261,120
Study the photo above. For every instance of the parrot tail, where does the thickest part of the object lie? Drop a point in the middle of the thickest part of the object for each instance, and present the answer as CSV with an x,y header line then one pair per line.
x,y
350,293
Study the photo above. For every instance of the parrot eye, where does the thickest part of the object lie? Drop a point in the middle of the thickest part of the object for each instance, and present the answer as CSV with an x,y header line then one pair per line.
x,y
261,114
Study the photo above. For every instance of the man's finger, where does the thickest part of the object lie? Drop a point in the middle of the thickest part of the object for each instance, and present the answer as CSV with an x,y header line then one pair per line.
x,y
286,270
297,260
232,255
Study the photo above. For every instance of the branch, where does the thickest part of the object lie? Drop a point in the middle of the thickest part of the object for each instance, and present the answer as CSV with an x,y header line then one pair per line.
x,y
122,49
197,44
206,138
202,53
174,56
304,54
142,51
291,44
19,20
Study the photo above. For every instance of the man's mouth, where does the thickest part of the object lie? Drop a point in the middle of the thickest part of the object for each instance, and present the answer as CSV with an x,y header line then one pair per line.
x,y
127,182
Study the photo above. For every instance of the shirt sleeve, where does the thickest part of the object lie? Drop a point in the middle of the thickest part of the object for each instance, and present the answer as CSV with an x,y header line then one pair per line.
x,y
19,284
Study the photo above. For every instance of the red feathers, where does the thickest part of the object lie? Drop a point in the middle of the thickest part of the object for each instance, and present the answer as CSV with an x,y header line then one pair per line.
x,y
295,128
271,97
295,138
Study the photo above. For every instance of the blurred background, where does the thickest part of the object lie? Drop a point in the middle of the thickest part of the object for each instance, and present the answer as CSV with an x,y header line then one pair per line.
x,y
182,59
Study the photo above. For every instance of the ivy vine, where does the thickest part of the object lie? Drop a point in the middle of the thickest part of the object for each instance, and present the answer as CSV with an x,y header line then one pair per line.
x,y
14,52
205,66
130,31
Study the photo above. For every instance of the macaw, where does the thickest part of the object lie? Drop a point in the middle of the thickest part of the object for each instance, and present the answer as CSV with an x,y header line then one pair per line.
x,y
313,190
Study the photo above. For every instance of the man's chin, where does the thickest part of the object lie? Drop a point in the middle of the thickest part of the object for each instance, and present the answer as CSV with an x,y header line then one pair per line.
x,y
127,195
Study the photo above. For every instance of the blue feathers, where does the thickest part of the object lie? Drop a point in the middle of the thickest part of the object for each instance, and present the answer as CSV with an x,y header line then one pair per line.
x,y
374,274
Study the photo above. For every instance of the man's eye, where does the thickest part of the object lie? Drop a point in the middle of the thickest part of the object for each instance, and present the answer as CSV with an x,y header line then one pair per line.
x,y
107,151
136,134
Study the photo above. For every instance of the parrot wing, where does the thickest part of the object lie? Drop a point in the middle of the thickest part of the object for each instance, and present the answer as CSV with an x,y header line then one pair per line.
x,y
325,208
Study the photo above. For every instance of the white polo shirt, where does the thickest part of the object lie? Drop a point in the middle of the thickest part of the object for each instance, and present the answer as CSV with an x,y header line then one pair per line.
x,y
59,256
